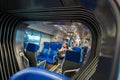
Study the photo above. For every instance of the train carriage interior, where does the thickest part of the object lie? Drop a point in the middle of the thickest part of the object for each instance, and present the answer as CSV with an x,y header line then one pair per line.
x,y
69,37
59,40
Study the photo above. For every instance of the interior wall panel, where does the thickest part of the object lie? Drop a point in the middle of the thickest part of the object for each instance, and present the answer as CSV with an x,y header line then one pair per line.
x,y
8,63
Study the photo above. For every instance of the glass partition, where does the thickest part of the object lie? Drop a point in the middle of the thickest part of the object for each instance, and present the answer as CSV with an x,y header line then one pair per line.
x,y
31,36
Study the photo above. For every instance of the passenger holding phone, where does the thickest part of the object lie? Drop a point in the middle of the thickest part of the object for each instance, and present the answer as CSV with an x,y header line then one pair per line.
x,y
61,52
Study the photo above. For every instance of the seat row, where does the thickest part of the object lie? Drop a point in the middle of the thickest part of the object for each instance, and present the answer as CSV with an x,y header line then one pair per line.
x,y
33,72
49,52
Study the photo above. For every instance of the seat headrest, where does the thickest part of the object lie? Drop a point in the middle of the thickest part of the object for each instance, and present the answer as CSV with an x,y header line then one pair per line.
x,y
73,56
59,45
85,48
77,48
32,47
54,46
46,45
37,74
51,43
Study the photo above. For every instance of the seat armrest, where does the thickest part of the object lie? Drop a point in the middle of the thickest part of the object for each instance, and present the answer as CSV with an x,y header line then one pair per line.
x,y
73,70
26,63
38,53
42,63
55,57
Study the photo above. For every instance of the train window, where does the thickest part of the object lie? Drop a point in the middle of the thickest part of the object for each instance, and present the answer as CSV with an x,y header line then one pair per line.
x,y
61,38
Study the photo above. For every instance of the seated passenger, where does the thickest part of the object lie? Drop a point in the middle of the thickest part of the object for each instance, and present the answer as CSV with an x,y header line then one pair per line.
x,y
85,48
74,44
61,52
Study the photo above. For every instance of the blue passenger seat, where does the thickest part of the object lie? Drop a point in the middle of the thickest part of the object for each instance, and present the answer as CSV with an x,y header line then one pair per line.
x,y
31,53
72,61
59,45
44,54
37,74
31,56
53,57
51,43
85,48
78,49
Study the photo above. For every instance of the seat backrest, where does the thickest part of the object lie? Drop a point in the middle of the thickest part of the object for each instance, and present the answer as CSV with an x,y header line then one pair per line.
x,y
71,61
51,43
30,53
53,50
59,45
45,49
85,48
37,74
76,48
47,45
73,56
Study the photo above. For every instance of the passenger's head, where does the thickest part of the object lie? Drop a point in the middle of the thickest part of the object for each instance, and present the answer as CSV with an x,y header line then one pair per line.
x,y
65,45
74,44
86,42
66,40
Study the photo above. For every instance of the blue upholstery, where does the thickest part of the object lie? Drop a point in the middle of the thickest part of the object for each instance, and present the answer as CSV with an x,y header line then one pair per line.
x,y
69,43
43,55
85,48
30,54
46,45
25,45
77,48
37,74
51,43
54,46
52,57
59,45
73,56
32,47
72,61
41,67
